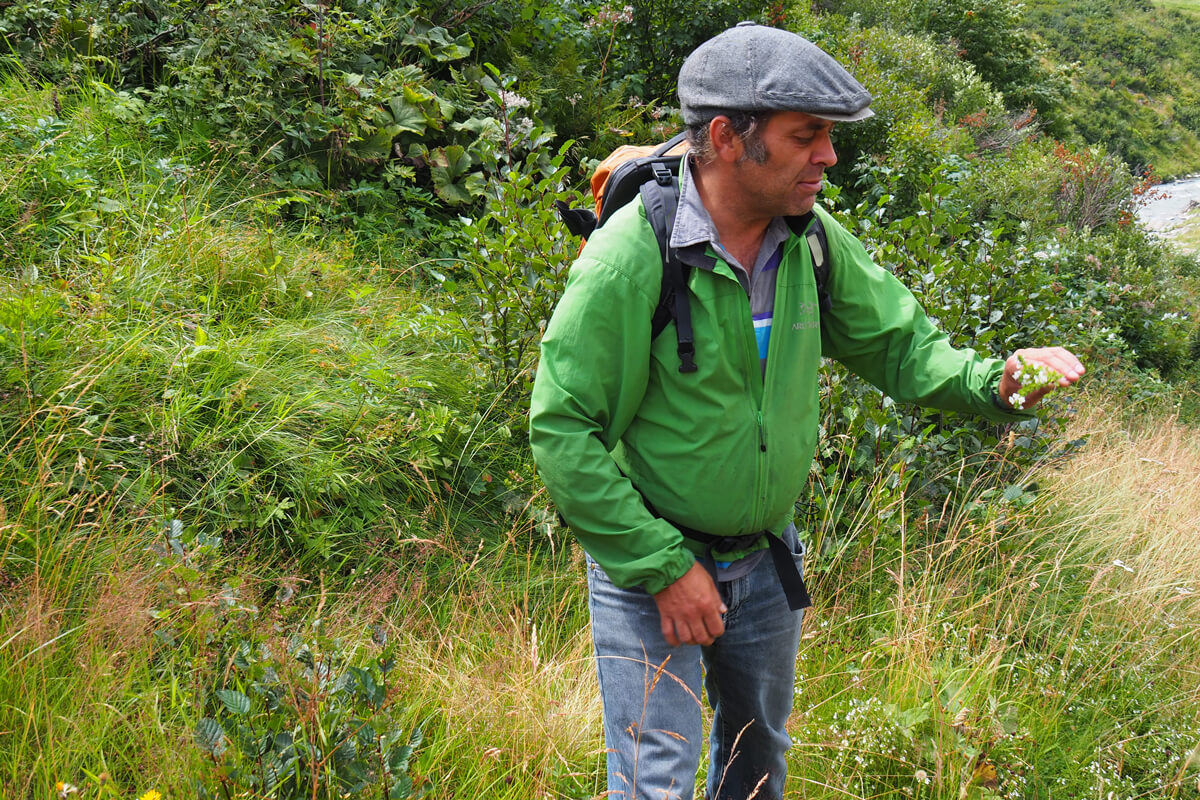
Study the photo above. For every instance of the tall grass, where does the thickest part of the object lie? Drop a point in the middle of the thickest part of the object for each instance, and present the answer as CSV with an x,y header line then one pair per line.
x,y
187,359
203,415
1020,648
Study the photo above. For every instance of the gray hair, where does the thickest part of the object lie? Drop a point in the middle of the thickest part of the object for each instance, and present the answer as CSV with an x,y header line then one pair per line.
x,y
747,126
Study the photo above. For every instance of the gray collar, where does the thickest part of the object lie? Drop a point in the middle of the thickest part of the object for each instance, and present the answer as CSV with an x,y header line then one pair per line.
x,y
694,225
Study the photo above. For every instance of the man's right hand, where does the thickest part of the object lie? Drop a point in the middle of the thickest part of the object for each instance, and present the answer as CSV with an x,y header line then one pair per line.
x,y
691,609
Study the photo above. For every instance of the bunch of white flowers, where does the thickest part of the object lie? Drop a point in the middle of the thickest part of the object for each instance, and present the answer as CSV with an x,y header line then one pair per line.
x,y
607,16
1032,378
512,100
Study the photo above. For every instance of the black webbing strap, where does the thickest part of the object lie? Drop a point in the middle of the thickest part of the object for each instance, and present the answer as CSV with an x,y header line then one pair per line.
x,y
785,566
818,245
810,228
660,197
579,221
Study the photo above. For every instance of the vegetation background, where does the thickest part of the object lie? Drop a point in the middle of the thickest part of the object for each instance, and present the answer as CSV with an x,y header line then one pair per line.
x,y
269,526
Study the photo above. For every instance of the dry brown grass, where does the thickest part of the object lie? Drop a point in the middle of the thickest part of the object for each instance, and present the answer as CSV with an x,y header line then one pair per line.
x,y
511,702
32,615
1135,489
118,618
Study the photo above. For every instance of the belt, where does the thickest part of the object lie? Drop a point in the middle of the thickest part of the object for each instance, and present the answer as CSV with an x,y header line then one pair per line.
x,y
785,566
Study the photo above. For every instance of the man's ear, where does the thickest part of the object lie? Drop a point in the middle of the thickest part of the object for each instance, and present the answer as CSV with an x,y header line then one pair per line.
x,y
726,144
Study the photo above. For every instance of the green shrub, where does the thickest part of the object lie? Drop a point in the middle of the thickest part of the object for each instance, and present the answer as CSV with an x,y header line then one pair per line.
x,y
659,34
919,89
262,384
993,36
517,267
372,100
305,723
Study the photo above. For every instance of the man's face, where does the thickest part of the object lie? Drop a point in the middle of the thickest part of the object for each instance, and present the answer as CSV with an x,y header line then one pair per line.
x,y
798,151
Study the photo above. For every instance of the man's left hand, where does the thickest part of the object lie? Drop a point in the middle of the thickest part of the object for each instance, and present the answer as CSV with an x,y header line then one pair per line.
x,y
1059,359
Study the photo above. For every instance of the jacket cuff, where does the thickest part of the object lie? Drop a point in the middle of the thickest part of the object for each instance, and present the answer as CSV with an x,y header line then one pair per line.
x,y
674,569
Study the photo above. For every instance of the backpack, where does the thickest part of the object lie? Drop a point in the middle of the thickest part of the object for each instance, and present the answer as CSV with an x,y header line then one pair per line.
x,y
653,173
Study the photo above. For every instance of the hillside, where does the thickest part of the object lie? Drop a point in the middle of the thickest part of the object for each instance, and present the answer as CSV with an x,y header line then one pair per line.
x,y
269,523
1136,77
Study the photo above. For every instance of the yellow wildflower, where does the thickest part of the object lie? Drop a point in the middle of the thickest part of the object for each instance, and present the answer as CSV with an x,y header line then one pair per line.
x,y
153,794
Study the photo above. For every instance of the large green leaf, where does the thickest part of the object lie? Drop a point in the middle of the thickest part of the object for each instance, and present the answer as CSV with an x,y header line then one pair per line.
x,y
273,770
415,96
437,44
234,701
407,116
453,193
210,736
482,127
450,162
452,180
378,145
402,789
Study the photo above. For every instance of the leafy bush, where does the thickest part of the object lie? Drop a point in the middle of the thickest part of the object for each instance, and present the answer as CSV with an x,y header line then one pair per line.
x,y
517,267
660,34
992,36
919,89
372,100
273,389
993,284
305,724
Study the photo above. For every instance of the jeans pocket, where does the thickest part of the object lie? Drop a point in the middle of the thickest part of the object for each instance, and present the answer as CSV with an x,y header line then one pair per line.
x,y
596,573
791,537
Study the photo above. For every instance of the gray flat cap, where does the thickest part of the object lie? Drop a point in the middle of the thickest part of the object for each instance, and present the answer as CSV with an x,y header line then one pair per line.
x,y
756,68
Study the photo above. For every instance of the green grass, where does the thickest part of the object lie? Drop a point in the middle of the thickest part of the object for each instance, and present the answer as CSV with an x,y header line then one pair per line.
x,y
179,375
1179,5
1019,651
1007,638
192,361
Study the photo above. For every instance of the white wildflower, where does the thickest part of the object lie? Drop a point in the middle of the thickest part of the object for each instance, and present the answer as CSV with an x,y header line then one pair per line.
x,y
608,15
512,100
523,127
1016,400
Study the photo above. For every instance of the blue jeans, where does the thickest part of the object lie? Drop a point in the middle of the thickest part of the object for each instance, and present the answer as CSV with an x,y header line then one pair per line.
x,y
651,691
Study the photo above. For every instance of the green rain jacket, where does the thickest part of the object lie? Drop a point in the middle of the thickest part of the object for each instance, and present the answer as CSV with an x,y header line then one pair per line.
x,y
724,450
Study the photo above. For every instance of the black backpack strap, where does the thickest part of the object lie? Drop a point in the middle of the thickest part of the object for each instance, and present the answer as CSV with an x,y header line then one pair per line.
x,y
818,243
661,199
813,230
666,146
579,221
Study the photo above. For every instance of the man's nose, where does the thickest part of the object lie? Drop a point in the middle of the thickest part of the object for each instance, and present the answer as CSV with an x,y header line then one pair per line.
x,y
824,153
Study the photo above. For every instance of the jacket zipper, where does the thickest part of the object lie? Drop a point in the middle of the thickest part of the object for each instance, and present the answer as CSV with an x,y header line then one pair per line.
x,y
779,312
756,379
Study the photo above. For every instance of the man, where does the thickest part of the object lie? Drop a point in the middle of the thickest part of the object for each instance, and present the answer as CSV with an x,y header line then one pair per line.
x,y
681,485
